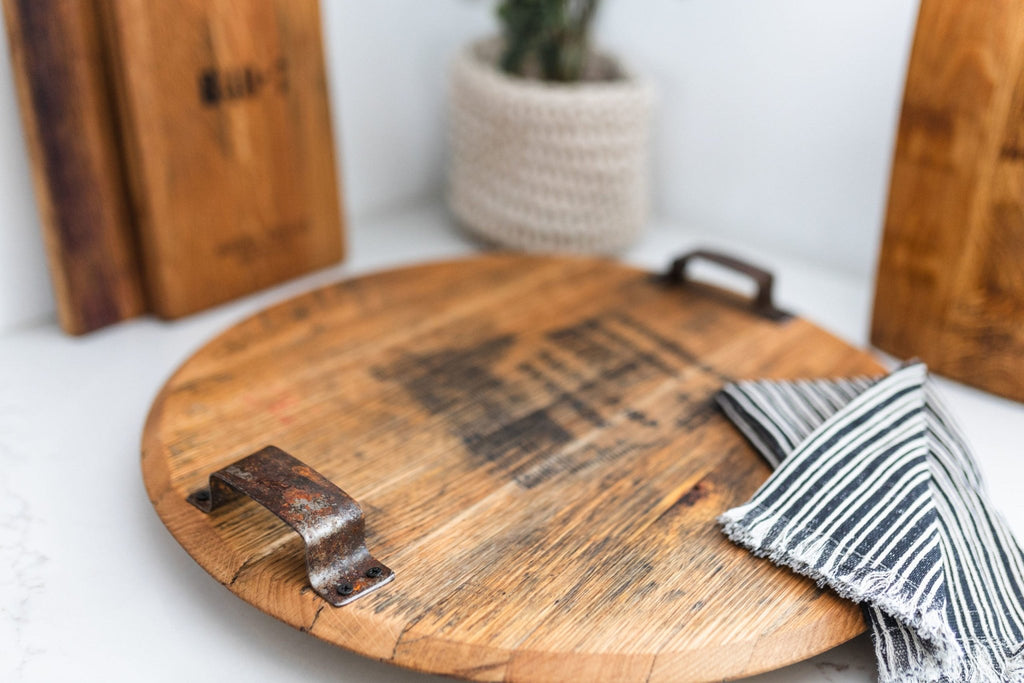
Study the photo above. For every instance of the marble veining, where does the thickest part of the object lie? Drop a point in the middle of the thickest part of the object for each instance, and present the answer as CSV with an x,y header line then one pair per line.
x,y
21,578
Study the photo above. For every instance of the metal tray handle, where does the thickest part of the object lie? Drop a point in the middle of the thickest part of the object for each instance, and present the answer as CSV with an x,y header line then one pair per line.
x,y
762,304
330,522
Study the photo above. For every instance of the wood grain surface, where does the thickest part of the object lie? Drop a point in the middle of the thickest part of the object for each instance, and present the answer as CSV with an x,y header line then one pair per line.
x,y
227,133
536,449
950,284
67,112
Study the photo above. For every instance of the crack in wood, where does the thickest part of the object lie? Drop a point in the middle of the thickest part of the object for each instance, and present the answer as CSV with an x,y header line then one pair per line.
x,y
312,624
241,568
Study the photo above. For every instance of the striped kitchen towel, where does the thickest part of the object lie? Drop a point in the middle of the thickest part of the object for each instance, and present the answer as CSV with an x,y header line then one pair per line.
x,y
875,495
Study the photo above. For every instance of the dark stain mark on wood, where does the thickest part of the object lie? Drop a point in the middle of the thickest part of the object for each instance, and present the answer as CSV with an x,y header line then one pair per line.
x,y
582,341
697,413
523,439
521,421
671,347
594,341
641,418
1011,153
450,381
700,490
577,404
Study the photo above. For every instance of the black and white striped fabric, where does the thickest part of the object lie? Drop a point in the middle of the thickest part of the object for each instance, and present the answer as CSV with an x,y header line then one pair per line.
x,y
875,495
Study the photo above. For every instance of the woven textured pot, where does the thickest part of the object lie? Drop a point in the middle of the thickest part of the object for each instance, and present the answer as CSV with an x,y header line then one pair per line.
x,y
544,166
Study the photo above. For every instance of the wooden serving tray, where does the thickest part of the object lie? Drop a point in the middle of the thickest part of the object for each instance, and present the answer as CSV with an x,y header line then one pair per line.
x,y
535,447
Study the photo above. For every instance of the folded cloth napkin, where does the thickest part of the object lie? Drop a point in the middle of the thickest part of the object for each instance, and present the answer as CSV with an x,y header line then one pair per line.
x,y
876,495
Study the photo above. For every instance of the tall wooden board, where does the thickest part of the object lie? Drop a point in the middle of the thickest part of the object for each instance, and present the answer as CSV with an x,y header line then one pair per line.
x,y
227,133
67,113
950,286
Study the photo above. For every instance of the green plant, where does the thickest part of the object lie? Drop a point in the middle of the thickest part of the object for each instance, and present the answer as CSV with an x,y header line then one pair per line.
x,y
547,37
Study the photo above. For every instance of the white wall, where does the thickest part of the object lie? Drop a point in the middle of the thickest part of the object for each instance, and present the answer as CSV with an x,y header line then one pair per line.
x,y
777,118
775,126
387,62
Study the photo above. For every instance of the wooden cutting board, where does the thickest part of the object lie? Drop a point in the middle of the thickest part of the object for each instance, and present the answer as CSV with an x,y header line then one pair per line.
x,y
950,284
536,449
226,129
68,115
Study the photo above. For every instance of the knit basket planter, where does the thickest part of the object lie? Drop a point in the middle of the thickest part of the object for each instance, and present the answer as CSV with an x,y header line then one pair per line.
x,y
547,166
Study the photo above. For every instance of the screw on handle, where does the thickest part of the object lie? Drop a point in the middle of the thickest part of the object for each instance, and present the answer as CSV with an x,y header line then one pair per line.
x,y
339,566
762,304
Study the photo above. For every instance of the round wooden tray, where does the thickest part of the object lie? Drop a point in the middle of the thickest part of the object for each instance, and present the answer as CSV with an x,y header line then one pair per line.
x,y
536,449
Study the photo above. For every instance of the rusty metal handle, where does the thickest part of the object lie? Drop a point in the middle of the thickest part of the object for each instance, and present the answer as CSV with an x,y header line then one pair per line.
x,y
330,522
762,304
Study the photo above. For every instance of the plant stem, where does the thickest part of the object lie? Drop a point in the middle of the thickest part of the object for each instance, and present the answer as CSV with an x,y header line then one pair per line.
x,y
553,34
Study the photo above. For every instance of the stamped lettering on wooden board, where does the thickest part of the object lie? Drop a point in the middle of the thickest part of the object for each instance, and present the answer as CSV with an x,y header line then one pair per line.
x,y
218,85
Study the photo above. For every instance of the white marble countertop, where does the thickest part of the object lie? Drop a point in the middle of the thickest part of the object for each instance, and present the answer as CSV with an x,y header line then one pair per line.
x,y
93,588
